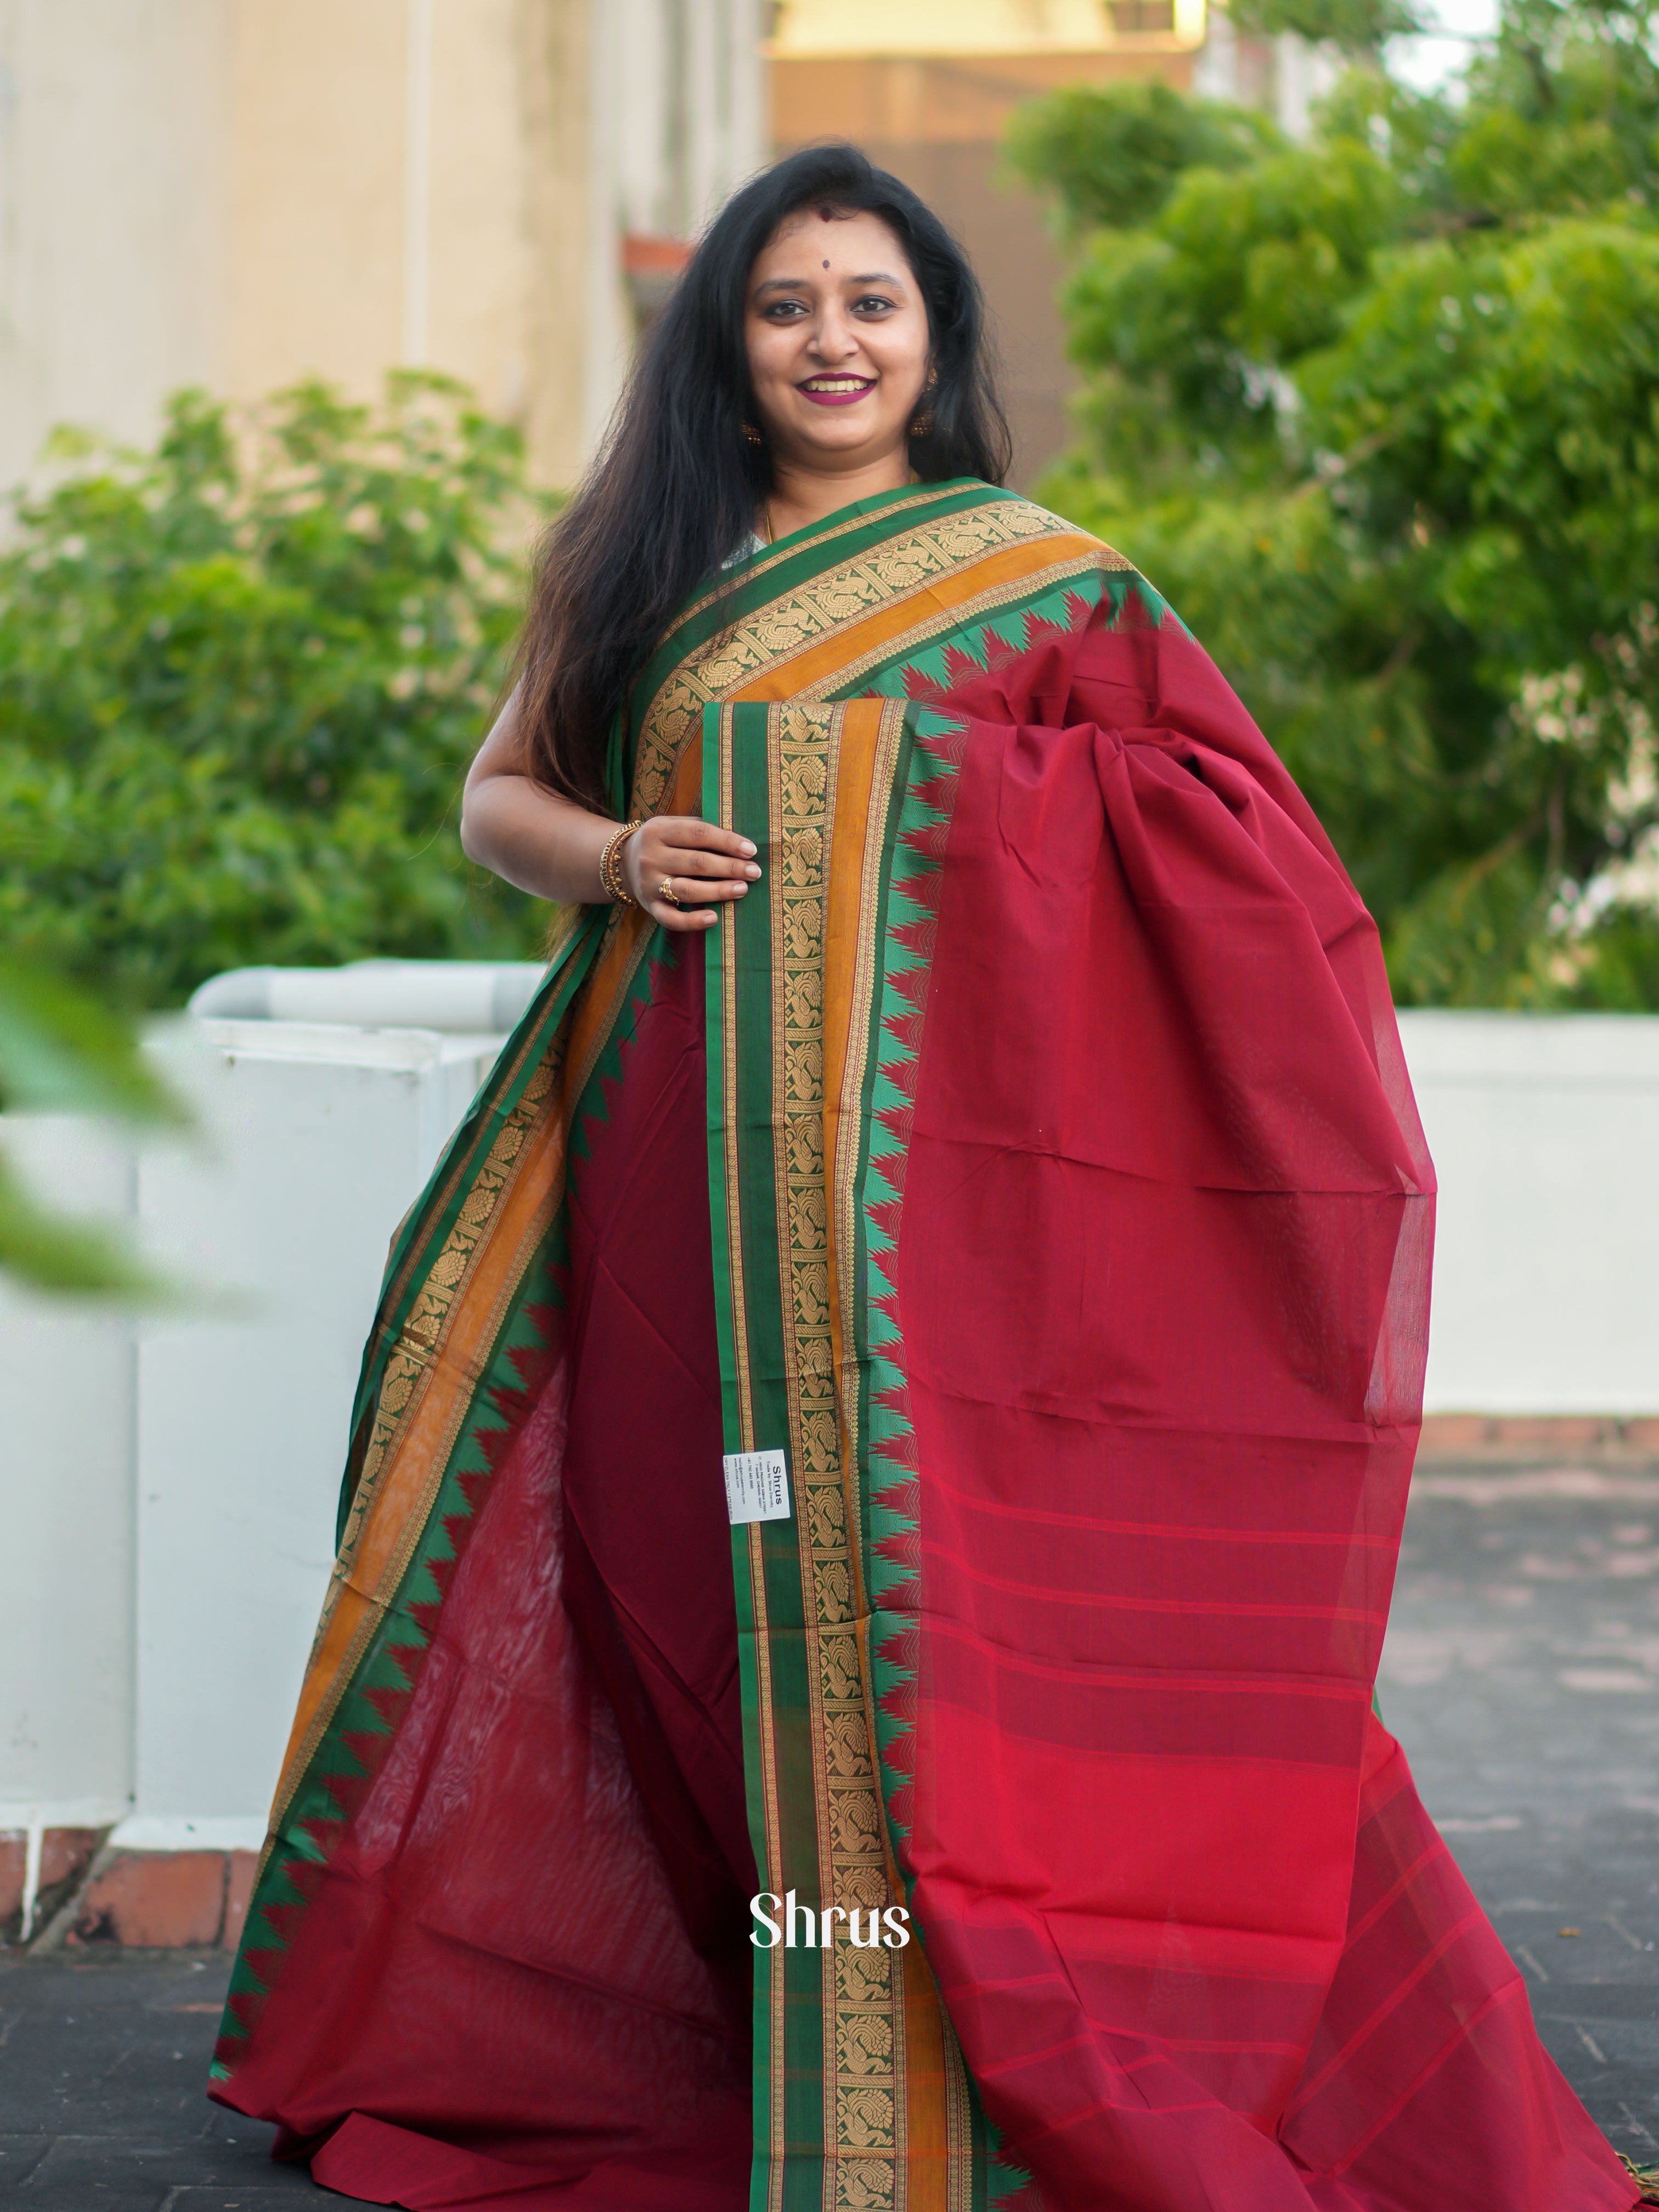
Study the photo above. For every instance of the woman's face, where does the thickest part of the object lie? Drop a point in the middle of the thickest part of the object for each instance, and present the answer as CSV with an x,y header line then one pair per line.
x,y
836,332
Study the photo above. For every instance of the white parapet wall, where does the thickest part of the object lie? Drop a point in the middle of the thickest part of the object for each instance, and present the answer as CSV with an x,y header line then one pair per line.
x,y
169,1481
1545,1134
169,1487
321,1138
67,1417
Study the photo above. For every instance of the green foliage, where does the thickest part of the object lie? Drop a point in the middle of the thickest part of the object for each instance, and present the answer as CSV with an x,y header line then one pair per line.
x,y
1114,157
240,680
61,1052
1357,26
1380,413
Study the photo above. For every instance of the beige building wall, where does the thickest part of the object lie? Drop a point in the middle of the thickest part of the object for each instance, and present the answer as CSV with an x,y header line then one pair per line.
x,y
409,184
313,185
111,141
239,193
978,26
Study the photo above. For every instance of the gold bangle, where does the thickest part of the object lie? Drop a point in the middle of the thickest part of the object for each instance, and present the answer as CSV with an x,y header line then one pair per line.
x,y
610,874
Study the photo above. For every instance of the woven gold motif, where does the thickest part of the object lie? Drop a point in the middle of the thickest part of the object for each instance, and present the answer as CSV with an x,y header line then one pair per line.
x,y
421,1335
409,1362
863,1995
863,2185
908,563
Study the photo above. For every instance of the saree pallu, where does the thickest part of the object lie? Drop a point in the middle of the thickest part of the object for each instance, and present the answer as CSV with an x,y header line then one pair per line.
x,y
1066,1229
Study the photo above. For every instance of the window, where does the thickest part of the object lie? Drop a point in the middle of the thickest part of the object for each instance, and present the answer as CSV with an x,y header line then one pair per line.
x,y
1129,16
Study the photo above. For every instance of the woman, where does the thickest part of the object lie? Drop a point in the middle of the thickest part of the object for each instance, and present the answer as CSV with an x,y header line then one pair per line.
x,y
1061,1331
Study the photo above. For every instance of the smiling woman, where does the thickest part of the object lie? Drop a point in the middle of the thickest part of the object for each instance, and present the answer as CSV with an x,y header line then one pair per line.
x,y
830,349
840,358
902,1408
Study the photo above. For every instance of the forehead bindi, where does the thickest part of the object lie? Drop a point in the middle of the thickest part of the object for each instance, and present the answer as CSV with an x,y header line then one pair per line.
x,y
846,248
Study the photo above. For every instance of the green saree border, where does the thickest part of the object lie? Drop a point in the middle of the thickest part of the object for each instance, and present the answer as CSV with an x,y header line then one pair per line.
x,y
798,2160
827,2138
887,1487
380,1679
432,1218
760,579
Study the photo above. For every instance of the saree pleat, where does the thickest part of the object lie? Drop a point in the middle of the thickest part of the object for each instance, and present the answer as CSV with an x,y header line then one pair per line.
x,y
1034,1168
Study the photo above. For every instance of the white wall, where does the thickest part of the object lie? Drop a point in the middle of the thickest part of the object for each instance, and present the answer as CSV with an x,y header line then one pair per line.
x,y
169,1489
1285,75
1545,1134
324,1137
676,122
111,210
66,1508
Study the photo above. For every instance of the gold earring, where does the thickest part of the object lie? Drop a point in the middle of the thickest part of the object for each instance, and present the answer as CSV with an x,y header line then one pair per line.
x,y
752,434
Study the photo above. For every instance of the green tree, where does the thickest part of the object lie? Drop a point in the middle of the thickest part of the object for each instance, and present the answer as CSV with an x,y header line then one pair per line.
x,y
240,679
1357,27
1380,412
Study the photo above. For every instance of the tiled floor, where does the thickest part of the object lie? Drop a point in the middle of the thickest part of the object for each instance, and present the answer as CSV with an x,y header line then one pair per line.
x,y
102,2059
1522,1673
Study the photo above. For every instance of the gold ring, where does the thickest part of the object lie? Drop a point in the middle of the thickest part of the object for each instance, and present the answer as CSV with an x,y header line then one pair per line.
x,y
665,891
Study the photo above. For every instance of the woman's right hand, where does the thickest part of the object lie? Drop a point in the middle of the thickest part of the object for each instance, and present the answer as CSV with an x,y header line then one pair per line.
x,y
701,864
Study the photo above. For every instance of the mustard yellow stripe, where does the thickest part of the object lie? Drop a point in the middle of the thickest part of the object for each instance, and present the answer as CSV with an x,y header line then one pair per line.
x,y
928,2132
423,1449
870,741
383,1542
819,665
933,2156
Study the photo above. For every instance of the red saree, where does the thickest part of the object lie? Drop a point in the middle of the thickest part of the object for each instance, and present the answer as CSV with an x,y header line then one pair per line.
x,y
1069,1228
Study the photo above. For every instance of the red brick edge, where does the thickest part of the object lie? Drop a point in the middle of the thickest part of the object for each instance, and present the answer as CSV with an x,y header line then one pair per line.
x,y
163,1901
1449,1435
65,1855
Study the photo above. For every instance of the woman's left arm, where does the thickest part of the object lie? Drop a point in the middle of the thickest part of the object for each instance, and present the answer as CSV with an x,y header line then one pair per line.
x,y
551,846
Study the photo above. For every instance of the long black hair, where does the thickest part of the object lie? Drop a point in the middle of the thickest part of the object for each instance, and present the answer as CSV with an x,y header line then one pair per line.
x,y
675,490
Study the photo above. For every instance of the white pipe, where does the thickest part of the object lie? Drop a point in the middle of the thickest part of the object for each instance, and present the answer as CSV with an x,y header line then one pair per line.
x,y
470,997
36,1834
418,184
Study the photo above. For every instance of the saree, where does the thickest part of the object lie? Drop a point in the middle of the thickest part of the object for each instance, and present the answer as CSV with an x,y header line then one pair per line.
x,y
1020,1192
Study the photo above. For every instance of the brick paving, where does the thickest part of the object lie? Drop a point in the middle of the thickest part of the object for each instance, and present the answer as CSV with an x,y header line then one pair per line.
x,y
1522,1672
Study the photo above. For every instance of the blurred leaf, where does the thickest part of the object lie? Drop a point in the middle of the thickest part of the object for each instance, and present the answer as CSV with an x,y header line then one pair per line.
x,y
61,1052
1112,153
49,1253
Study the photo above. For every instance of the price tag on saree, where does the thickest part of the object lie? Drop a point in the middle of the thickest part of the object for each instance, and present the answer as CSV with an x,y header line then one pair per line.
x,y
757,1487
